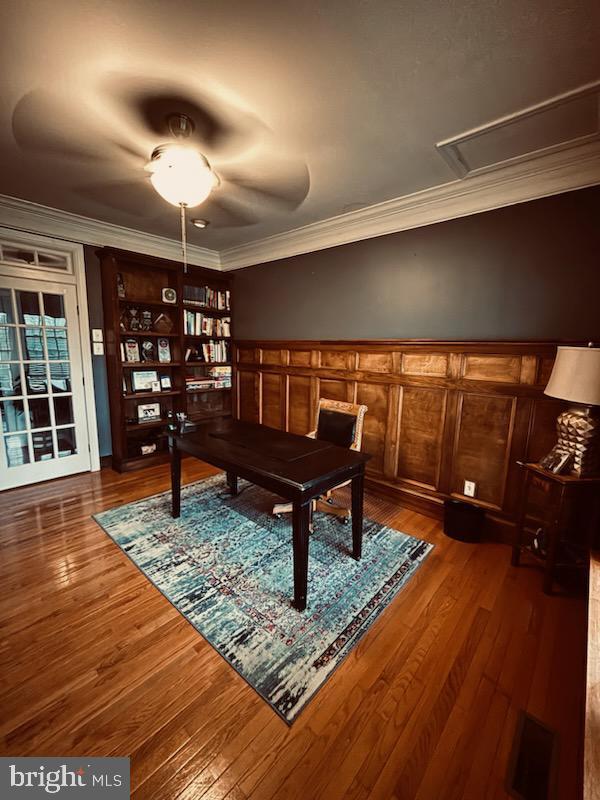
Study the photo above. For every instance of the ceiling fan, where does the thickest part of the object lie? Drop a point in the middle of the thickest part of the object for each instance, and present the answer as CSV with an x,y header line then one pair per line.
x,y
242,172
180,173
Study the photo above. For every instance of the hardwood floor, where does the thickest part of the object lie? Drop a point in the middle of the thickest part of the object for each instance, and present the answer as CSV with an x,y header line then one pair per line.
x,y
96,662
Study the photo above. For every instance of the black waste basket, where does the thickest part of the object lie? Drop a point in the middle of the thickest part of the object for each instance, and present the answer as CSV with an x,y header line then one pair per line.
x,y
463,521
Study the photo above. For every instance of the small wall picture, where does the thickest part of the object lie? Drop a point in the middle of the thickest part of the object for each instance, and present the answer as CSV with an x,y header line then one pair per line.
x,y
169,295
165,382
164,351
148,412
142,380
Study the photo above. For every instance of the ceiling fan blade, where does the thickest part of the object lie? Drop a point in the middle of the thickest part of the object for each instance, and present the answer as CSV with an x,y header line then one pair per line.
x,y
277,184
222,212
145,105
135,197
44,125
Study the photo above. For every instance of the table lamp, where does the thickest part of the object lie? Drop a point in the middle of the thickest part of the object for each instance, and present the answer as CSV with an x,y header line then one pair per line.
x,y
576,378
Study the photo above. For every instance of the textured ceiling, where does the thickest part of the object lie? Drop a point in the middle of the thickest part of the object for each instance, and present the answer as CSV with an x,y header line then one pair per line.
x,y
305,109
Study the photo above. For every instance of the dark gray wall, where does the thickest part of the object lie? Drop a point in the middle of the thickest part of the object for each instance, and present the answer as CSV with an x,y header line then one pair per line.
x,y
96,316
528,271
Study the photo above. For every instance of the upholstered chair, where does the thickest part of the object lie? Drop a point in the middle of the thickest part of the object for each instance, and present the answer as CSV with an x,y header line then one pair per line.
x,y
341,424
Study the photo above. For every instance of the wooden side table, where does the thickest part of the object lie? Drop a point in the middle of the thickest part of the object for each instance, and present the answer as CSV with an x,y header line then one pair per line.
x,y
569,513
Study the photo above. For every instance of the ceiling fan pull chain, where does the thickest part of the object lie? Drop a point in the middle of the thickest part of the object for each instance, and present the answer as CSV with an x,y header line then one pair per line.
x,y
183,238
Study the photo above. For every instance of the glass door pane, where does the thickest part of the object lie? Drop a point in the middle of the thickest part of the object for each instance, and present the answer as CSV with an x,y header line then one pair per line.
x,y
37,409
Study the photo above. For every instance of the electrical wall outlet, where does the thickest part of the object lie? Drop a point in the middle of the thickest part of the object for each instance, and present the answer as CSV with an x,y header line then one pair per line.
x,y
469,490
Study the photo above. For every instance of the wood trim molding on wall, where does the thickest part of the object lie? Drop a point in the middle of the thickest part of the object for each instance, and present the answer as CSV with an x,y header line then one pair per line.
x,y
538,176
439,412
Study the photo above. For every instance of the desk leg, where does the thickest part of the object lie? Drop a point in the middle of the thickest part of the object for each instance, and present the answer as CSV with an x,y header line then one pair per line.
x,y
357,514
301,523
175,480
232,482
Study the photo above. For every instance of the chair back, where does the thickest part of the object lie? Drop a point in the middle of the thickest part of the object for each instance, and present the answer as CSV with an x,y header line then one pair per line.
x,y
340,423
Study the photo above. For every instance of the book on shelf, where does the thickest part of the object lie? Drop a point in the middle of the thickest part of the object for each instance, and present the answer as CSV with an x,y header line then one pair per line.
x,y
221,372
195,384
198,324
218,299
209,352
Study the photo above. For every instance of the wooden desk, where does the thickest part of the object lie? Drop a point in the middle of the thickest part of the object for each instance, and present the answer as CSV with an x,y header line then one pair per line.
x,y
563,496
297,468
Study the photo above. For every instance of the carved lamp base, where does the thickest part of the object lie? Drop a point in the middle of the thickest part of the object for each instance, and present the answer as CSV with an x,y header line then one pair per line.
x,y
578,431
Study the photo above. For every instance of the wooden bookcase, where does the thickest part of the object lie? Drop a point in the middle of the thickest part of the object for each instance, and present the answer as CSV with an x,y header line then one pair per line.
x,y
142,279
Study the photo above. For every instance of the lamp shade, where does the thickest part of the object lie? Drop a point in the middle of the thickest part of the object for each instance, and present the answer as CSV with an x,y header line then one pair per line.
x,y
576,375
181,175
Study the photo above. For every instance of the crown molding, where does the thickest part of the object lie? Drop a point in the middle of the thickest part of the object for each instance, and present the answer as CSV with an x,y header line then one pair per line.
x,y
34,218
540,176
573,168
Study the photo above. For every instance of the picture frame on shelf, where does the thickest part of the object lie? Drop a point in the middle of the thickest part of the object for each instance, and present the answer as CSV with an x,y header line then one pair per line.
x,y
163,323
164,351
563,464
148,412
132,350
142,380
165,383
156,387
148,350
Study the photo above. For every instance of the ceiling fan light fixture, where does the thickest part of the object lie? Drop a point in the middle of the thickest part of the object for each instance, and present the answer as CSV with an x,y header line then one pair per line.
x,y
181,175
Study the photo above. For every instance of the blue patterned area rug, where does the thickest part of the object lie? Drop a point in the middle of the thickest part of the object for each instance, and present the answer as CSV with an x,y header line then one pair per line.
x,y
226,565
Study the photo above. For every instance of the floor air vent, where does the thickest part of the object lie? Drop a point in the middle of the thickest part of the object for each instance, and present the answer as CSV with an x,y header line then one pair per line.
x,y
532,766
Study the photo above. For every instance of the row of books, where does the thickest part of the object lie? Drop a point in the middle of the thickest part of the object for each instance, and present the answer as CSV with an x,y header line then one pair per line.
x,y
205,296
209,352
220,372
197,384
197,324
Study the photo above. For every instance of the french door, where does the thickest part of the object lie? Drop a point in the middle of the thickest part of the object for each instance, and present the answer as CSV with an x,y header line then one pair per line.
x,y
43,423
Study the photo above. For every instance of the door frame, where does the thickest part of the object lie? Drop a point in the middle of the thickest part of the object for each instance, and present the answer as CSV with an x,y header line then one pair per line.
x,y
73,275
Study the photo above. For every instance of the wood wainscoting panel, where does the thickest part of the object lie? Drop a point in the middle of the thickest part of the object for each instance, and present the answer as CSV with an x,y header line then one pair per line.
x,y
272,357
375,362
273,400
422,417
300,411
336,359
542,434
496,369
432,365
376,397
248,355
248,387
300,358
482,445
439,412
336,390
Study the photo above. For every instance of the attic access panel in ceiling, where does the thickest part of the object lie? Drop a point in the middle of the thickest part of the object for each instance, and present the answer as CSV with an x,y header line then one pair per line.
x,y
564,121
